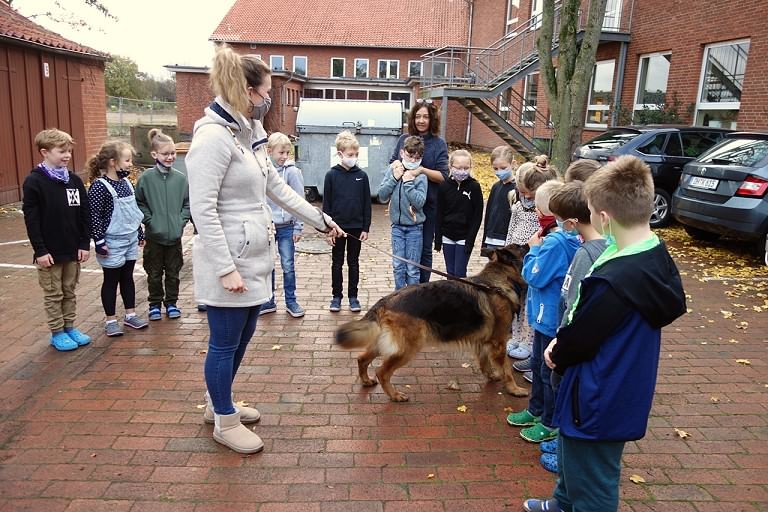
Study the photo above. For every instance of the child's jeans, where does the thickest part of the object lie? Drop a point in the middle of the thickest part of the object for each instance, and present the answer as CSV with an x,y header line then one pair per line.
x,y
287,249
352,247
588,474
456,259
158,260
58,283
230,331
542,400
406,243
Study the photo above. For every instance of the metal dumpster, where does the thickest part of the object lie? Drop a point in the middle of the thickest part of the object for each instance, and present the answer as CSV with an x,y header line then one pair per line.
x,y
376,124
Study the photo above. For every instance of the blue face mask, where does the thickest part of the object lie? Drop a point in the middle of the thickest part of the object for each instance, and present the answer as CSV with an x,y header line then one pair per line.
x,y
561,225
504,174
527,203
609,238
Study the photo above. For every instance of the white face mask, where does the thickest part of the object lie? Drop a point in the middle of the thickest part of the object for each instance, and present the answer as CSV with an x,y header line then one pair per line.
x,y
411,165
348,162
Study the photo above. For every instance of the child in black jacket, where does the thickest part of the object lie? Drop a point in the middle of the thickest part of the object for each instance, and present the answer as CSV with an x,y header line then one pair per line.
x,y
459,214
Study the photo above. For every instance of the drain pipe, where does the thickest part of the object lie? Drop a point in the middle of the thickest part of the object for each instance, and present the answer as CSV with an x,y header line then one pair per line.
x,y
468,135
619,82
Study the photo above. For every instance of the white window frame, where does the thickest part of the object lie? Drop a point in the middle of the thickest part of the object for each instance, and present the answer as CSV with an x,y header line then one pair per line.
x,y
705,105
512,22
306,64
649,56
367,68
343,67
607,107
388,61
527,108
272,65
421,67
537,10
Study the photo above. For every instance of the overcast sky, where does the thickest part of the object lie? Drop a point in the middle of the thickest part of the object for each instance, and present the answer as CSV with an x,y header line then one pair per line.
x,y
151,32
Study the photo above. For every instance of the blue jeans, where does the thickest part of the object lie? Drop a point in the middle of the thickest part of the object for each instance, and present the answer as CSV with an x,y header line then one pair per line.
x,y
286,248
542,400
406,243
230,331
456,259
588,474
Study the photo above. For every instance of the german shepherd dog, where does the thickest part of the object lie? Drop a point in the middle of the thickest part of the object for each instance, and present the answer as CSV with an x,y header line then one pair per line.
x,y
440,312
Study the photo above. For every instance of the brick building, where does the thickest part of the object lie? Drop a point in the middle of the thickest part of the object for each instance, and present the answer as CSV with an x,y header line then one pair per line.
x,y
45,81
651,52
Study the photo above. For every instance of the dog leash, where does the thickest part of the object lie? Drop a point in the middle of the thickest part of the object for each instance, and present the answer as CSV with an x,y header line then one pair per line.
x,y
480,286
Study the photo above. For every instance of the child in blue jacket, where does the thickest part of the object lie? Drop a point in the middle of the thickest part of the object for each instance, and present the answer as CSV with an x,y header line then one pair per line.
x,y
544,269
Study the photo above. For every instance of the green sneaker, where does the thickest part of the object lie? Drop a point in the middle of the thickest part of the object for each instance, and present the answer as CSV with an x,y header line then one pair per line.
x,y
538,433
522,419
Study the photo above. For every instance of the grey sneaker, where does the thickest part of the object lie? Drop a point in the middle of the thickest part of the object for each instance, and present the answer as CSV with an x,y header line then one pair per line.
x,y
113,329
295,310
354,304
335,305
528,376
135,322
522,366
268,307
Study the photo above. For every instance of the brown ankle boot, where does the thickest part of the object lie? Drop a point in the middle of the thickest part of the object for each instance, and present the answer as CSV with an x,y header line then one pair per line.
x,y
231,433
247,414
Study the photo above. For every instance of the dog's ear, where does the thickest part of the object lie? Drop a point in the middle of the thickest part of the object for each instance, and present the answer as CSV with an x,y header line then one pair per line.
x,y
509,255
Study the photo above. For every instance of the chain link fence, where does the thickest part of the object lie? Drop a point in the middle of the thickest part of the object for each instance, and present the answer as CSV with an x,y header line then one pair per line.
x,y
123,113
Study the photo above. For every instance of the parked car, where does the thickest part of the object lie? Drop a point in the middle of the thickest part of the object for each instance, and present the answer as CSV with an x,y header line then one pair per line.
x,y
666,149
723,192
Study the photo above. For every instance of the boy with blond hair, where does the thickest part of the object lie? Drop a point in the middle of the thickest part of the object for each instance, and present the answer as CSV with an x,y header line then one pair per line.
x,y
57,218
287,227
347,199
608,352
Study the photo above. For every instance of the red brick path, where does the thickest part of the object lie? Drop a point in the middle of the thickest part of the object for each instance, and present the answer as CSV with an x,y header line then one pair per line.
x,y
117,426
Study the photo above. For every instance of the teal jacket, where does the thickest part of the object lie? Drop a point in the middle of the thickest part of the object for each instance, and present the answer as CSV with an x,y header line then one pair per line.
x,y
163,198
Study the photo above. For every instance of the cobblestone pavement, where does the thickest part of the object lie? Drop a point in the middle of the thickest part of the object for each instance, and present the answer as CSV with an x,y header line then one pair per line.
x,y
118,425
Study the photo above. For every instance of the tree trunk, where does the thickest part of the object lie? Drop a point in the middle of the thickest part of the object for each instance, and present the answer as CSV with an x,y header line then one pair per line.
x,y
566,89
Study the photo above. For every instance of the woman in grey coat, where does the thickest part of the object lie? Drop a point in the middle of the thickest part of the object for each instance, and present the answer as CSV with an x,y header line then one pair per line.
x,y
230,179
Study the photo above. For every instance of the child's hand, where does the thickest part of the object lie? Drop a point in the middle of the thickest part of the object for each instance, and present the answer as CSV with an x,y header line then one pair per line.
x,y
397,169
408,176
233,282
102,249
82,256
363,236
45,261
296,238
141,243
334,232
535,240
548,354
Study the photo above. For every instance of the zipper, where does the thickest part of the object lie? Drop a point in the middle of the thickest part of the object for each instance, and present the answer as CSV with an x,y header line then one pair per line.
x,y
575,403
541,313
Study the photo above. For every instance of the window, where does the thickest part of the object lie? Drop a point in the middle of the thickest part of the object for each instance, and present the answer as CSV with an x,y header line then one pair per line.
x,y
655,146
403,97
300,65
651,90
361,68
389,68
513,14
378,95
600,94
537,8
530,98
674,147
276,62
415,68
695,143
722,80
313,93
612,18
337,67
356,94
437,69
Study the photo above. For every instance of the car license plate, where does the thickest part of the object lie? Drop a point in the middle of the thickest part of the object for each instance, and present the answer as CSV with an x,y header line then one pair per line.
x,y
705,183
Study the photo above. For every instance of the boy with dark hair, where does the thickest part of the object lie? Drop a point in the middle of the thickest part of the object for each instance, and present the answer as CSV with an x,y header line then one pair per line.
x,y
407,194
57,217
608,352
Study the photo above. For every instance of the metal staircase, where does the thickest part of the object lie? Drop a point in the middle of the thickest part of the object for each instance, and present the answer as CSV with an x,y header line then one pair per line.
x,y
479,78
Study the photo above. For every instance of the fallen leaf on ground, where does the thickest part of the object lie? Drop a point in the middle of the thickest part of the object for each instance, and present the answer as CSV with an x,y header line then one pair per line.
x,y
408,386
200,406
203,352
682,433
453,386
276,347
465,365
509,409
241,403
745,362
742,325
637,479
462,408
733,340
714,399
431,476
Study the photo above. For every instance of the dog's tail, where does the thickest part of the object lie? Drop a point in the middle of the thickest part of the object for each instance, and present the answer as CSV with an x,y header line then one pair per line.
x,y
357,334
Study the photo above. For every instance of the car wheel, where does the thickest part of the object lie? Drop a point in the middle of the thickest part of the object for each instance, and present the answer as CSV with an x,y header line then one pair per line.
x,y
700,234
661,206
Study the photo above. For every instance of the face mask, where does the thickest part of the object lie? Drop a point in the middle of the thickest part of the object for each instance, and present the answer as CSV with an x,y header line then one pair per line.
x,y
504,174
527,203
258,112
561,225
411,165
547,221
459,175
609,238
348,162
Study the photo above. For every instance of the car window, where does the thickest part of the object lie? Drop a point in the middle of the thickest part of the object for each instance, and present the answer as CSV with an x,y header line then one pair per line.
x,y
611,139
674,148
695,143
654,146
745,152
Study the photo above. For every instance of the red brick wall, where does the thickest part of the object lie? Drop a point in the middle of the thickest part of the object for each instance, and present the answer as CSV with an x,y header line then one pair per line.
x,y
192,95
94,105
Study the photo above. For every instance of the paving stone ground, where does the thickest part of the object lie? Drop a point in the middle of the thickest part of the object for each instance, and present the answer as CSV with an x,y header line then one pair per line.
x,y
117,425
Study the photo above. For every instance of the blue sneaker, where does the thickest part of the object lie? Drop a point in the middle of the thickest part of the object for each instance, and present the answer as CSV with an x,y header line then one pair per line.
x,y
521,351
549,446
294,310
550,505
155,313
77,336
172,311
268,307
335,306
354,305
62,342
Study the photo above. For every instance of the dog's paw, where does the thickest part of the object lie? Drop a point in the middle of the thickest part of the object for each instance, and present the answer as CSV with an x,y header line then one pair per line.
x,y
368,383
515,390
399,397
